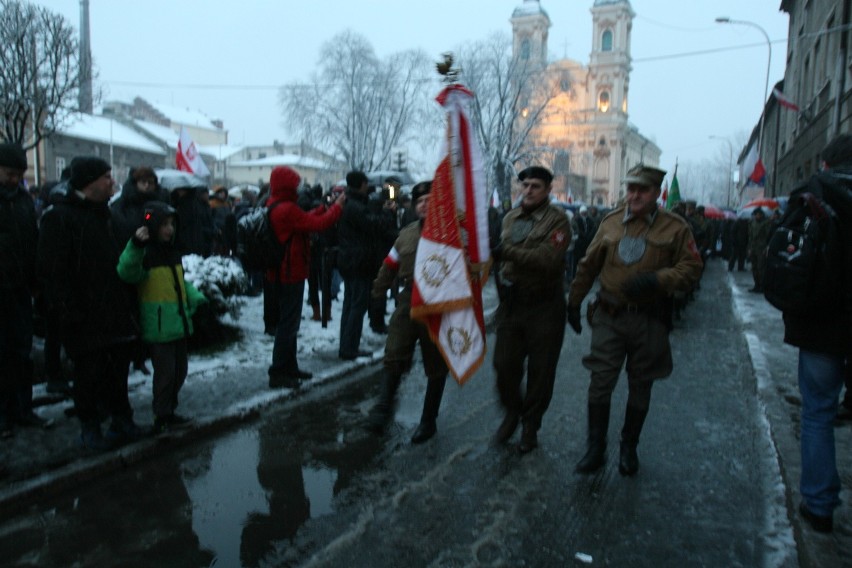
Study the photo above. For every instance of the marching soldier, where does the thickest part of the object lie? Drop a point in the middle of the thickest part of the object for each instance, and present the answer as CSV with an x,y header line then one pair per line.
x,y
642,255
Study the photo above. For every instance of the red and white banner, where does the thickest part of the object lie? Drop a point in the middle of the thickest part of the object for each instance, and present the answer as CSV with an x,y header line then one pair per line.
x,y
453,254
784,101
188,158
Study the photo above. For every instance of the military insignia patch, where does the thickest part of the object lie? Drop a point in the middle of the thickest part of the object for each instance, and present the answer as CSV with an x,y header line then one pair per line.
x,y
558,238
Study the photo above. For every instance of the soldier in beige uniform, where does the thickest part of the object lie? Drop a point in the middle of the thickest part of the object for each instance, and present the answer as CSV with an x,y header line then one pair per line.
x,y
531,317
404,332
642,255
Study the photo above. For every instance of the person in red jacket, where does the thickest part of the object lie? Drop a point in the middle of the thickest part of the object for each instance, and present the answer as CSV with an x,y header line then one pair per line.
x,y
293,227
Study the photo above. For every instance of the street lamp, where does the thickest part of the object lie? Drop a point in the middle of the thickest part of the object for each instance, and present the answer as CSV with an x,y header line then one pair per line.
x,y
724,20
730,164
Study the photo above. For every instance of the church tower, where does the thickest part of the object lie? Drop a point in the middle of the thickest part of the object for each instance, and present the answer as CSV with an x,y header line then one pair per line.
x,y
609,64
529,33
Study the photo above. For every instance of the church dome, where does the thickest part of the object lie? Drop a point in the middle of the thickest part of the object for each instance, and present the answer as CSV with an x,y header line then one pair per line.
x,y
529,8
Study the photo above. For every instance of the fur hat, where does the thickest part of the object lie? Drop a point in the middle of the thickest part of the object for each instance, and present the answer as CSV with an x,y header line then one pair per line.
x,y
284,179
85,170
12,155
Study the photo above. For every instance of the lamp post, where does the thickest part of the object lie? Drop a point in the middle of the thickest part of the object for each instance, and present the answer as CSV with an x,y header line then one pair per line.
x,y
730,165
723,20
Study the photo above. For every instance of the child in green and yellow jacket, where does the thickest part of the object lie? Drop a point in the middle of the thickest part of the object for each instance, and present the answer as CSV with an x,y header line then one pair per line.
x,y
167,301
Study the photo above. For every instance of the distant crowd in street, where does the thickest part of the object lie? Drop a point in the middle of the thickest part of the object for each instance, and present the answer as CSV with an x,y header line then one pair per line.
x,y
105,278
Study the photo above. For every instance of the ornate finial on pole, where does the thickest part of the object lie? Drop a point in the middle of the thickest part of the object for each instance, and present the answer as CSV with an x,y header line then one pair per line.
x,y
446,69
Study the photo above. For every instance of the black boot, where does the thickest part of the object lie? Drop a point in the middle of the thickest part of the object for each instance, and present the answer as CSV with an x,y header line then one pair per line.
x,y
596,444
634,419
431,404
382,412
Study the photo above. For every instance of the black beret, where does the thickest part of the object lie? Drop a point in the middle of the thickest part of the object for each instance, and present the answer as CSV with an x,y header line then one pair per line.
x,y
12,155
536,172
419,190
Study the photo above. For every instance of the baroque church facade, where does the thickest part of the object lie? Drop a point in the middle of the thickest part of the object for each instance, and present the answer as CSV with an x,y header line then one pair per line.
x,y
583,129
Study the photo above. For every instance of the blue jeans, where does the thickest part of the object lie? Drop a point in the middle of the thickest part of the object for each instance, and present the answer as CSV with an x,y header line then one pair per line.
x,y
820,381
356,300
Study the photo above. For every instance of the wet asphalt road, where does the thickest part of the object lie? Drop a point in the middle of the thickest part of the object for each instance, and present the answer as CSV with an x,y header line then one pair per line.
x,y
306,485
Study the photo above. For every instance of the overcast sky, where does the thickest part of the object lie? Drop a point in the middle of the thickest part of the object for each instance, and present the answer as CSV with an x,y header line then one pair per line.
x,y
242,51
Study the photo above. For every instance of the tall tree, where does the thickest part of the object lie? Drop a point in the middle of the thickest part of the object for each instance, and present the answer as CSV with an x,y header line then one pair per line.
x,y
358,106
39,72
512,98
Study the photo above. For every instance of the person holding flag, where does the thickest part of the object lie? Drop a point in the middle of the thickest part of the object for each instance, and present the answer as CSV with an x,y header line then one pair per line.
x,y
531,316
404,332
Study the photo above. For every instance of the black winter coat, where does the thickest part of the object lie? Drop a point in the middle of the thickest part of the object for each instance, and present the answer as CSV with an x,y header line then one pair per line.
x,y
362,234
195,220
830,331
18,239
77,260
129,209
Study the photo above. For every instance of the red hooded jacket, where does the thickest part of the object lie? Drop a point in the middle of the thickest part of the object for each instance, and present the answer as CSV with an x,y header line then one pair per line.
x,y
292,223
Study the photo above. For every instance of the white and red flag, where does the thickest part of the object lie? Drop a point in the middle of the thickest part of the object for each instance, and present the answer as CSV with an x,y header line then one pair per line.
x,y
453,254
785,101
188,159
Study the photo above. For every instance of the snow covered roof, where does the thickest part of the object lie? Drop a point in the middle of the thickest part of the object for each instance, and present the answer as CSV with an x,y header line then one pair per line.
x,y
220,151
164,133
108,131
283,160
529,8
183,115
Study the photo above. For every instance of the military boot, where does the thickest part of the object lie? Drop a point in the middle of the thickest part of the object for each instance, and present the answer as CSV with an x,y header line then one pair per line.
x,y
431,404
382,411
634,419
596,443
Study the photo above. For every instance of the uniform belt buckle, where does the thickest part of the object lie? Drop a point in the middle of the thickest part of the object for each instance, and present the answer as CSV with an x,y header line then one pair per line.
x,y
632,308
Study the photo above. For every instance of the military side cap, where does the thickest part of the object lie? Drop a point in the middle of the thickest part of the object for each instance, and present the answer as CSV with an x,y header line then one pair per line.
x,y
645,175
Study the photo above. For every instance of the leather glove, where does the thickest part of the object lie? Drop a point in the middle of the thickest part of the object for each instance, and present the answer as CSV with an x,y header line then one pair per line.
x,y
641,285
575,319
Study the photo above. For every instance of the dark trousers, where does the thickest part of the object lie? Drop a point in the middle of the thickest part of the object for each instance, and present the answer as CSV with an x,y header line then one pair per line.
x,y
270,306
738,257
356,300
170,367
16,341
100,383
529,331
290,298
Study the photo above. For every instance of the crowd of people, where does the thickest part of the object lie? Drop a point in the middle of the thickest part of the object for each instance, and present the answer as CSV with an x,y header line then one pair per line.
x,y
105,276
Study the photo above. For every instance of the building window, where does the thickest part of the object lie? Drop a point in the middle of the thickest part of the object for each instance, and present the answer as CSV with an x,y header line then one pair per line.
x,y
606,40
60,165
624,103
525,49
603,101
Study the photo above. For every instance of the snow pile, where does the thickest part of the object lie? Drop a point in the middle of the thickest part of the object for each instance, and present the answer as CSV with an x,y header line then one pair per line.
x,y
221,279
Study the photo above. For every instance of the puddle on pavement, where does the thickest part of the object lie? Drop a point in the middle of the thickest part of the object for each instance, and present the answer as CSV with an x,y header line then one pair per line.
x,y
228,501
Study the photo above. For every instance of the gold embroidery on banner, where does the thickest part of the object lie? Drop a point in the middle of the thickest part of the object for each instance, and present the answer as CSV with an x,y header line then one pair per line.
x,y
435,270
459,341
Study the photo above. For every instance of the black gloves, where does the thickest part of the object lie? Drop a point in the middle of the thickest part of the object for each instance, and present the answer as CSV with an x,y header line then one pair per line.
x,y
641,286
574,318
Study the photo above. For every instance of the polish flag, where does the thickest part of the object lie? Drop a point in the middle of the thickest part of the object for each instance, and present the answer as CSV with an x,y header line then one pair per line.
x,y
188,159
453,255
784,101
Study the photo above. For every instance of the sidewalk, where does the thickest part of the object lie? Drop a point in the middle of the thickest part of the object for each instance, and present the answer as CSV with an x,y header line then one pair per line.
x,y
221,390
775,369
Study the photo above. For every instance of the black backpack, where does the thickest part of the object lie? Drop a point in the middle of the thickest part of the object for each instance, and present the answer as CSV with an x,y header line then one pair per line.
x,y
258,247
804,262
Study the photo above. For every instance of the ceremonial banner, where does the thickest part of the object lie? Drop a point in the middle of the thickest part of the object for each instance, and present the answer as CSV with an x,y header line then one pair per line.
x,y
187,158
454,254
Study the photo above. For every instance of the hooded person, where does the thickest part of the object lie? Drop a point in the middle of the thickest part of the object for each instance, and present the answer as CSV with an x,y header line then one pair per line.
x,y
140,188
167,302
18,236
292,227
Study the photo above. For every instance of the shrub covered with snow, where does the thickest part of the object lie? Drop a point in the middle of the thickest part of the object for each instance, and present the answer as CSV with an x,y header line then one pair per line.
x,y
221,279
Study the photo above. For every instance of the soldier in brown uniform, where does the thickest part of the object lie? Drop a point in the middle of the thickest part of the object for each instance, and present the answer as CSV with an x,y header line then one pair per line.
x,y
404,332
642,255
531,317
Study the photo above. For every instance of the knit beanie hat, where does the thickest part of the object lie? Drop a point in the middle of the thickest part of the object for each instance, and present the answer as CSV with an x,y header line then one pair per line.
x,y
284,178
12,155
85,170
